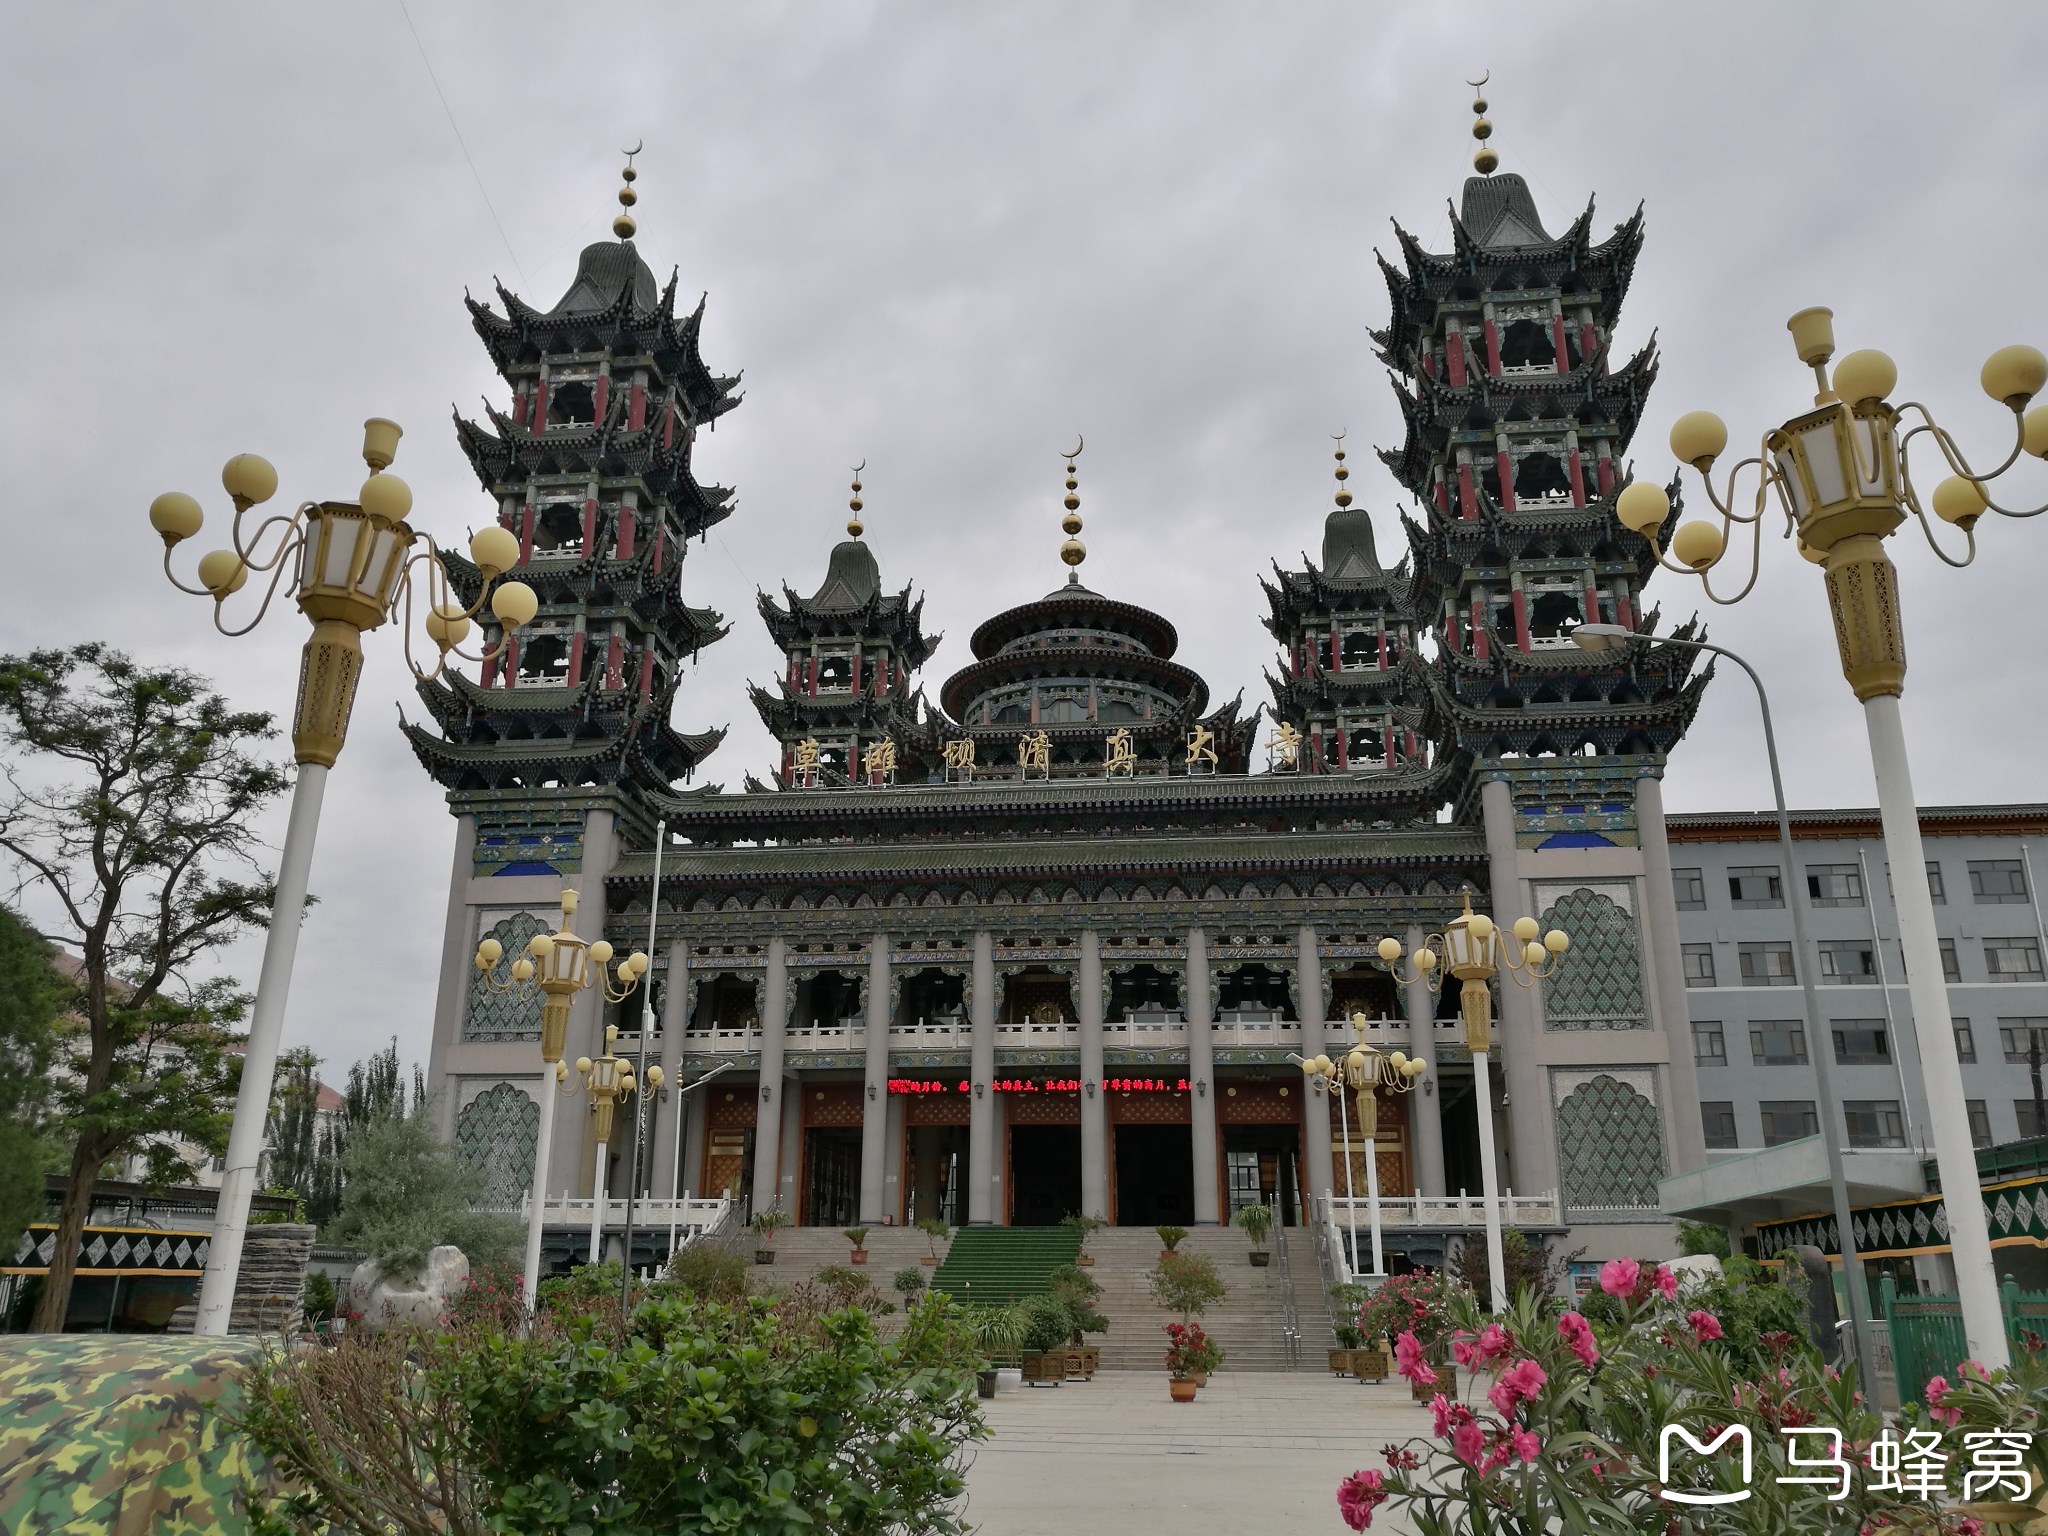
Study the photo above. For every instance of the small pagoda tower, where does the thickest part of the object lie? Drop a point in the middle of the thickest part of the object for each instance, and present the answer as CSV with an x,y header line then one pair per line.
x,y
1517,419
591,468
1351,683
851,652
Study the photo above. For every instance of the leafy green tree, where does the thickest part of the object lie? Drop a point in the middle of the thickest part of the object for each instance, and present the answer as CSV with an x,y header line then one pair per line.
x,y
130,813
406,1191
1186,1283
33,995
295,1122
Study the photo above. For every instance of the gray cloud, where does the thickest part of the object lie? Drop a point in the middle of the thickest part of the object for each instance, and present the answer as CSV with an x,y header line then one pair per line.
x,y
945,239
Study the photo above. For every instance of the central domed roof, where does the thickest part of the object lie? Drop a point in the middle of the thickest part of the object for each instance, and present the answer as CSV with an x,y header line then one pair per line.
x,y
602,272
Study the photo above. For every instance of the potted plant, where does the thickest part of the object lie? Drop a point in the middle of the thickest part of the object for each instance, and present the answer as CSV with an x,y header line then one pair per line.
x,y
858,1236
1043,1357
1077,1290
1186,1348
1169,1238
935,1232
1086,1226
1256,1221
1421,1303
909,1284
1347,1341
1212,1357
766,1224
1186,1283
998,1330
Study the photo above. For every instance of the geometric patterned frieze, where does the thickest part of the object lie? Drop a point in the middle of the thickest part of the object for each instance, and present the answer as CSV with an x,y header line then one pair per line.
x,y
1610,1142
1599,984
512,1014
497,1133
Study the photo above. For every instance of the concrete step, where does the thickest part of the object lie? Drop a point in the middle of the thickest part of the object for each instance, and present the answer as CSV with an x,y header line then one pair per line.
x,y
1249,1322
800,1252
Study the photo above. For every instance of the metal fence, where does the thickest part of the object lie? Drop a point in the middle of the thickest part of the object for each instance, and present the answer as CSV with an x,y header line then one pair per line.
x,y
1926,1332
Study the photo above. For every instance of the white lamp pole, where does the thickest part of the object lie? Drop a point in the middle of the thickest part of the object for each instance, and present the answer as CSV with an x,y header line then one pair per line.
x,y
1489,1184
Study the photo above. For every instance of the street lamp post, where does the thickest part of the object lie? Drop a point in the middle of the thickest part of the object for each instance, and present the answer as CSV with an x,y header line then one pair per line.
x,y
1604,637
1844,482
1365,1072
350,565
561,965
609,1079
1474,949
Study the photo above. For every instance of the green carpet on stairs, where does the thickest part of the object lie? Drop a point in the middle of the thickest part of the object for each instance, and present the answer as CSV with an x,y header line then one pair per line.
x,y
997,1264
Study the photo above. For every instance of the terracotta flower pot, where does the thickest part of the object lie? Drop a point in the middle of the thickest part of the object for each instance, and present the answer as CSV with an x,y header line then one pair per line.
x,y
1201,1379
860,1255
764,1255
929,1262
1183,1388
1084,1260
1261,1259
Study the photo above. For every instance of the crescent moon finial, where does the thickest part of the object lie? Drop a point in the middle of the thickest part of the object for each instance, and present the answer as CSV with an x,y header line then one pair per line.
x,y
1483,78
863,464
630,153
1080,442
1338,437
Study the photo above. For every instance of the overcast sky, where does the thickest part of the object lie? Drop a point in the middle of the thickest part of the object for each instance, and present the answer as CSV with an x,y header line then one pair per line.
x,y
945,239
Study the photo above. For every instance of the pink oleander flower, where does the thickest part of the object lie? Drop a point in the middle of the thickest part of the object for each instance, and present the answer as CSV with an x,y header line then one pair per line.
x,y
1705,1325
1578,1336
1527,1446
1492,1342
1938,1390
1973,1370
1666,1282
1518,1384
1359,1495
1408,1361
1468,1444
1969,1526
1618,1277
1440,1415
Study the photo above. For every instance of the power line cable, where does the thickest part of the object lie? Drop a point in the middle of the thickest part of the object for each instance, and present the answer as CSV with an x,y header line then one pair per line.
x,y
466,155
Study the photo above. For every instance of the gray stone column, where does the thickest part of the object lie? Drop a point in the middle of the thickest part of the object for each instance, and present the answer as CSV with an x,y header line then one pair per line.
x,y
1201,1011
1672,1013
792,1142
1094,1103
1529,1154
1425,1102
768,1118
983,1184
874,1115
892,1158
695,1118
662,1177
1315,1107
451,993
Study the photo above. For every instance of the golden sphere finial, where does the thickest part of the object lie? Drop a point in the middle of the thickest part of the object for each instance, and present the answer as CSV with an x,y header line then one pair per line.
x,y
853,523
623,226
1073,551
1485,162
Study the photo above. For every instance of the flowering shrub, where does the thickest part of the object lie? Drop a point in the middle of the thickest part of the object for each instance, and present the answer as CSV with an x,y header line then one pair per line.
x,y
494,1299
1566,1438
1188,1350
1419,1303
2004,1417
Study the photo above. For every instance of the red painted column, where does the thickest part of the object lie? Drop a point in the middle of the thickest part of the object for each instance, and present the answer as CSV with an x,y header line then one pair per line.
x,y
660,549
1315,749
790,675
1564,360
1452,638
1454,356
589,525
1443,494
628,524
1467,501
1520,599
1343,749
1624,611
526,536
1408,737
1507,483
519,399
1605,467
1492,347
614,663
636,407
811,676
1592,601
1336,653
1383,650
490,671
853,675
647,673
540,406
1588,339
1428,358
576,658
788,766
600,397
1481,646
1578,479
668,424
511,663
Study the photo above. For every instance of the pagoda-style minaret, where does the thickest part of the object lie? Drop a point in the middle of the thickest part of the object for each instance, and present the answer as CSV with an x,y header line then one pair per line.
x,y
591,468
1517,422
851,652
1348,631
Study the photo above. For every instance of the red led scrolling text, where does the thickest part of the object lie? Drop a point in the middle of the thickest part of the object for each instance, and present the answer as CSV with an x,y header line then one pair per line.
x,y
913,1085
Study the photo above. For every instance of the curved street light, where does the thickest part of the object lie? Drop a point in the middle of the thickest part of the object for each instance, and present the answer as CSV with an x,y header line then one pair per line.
x,y
1366,1072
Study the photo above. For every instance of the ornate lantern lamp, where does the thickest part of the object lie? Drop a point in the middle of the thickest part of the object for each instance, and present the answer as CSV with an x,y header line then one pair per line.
x,y
1367,1073
350,565
1475,951
560,965
1842,476
608,1079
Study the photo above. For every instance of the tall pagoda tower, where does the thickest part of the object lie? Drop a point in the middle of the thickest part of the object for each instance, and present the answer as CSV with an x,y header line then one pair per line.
x,y
549,753
1518,406
850,652
1351,684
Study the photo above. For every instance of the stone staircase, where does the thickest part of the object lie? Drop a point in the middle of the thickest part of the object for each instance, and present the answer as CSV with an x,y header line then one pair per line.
x,y
800,1252
996,1264
1250,1322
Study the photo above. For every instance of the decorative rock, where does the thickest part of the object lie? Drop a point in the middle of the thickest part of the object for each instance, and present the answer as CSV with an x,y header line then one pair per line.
x,y
270,1287
420,1298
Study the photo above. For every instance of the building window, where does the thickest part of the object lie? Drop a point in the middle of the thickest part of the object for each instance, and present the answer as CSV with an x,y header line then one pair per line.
x,y
1937,888
1862,1043
1717,1119
1757,885
1874,1122
2018,1037
1709,1046
1966,1043
1847,963
1766,964
1980,1123
1778,1042
1788,1120
1834,885
2013,959
1951,968
1699,964
2030,1123
1690,887
1997,880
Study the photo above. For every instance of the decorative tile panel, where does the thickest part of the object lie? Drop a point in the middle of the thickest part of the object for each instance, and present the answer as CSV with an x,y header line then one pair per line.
x,y
1600,983
497,1132
1610,1143
509,1015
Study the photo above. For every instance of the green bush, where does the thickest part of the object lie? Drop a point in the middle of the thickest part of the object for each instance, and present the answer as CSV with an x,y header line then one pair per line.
x,y
320,1300
1048,1323
1255,1221
709,1271
847,1286
935,1232
857,1236
908,1282
1699,1237
1186,1283
408,1192
1170,1237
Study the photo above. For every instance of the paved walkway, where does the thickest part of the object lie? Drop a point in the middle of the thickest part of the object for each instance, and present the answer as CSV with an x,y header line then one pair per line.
x,y
1253,1453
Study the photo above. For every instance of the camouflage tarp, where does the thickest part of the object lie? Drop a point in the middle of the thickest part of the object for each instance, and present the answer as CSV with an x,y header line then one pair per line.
x,y
123,1435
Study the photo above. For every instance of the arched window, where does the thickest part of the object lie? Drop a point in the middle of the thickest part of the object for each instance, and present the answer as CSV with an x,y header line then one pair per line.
x,y
835,672
1541,478
1527,345
559,527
